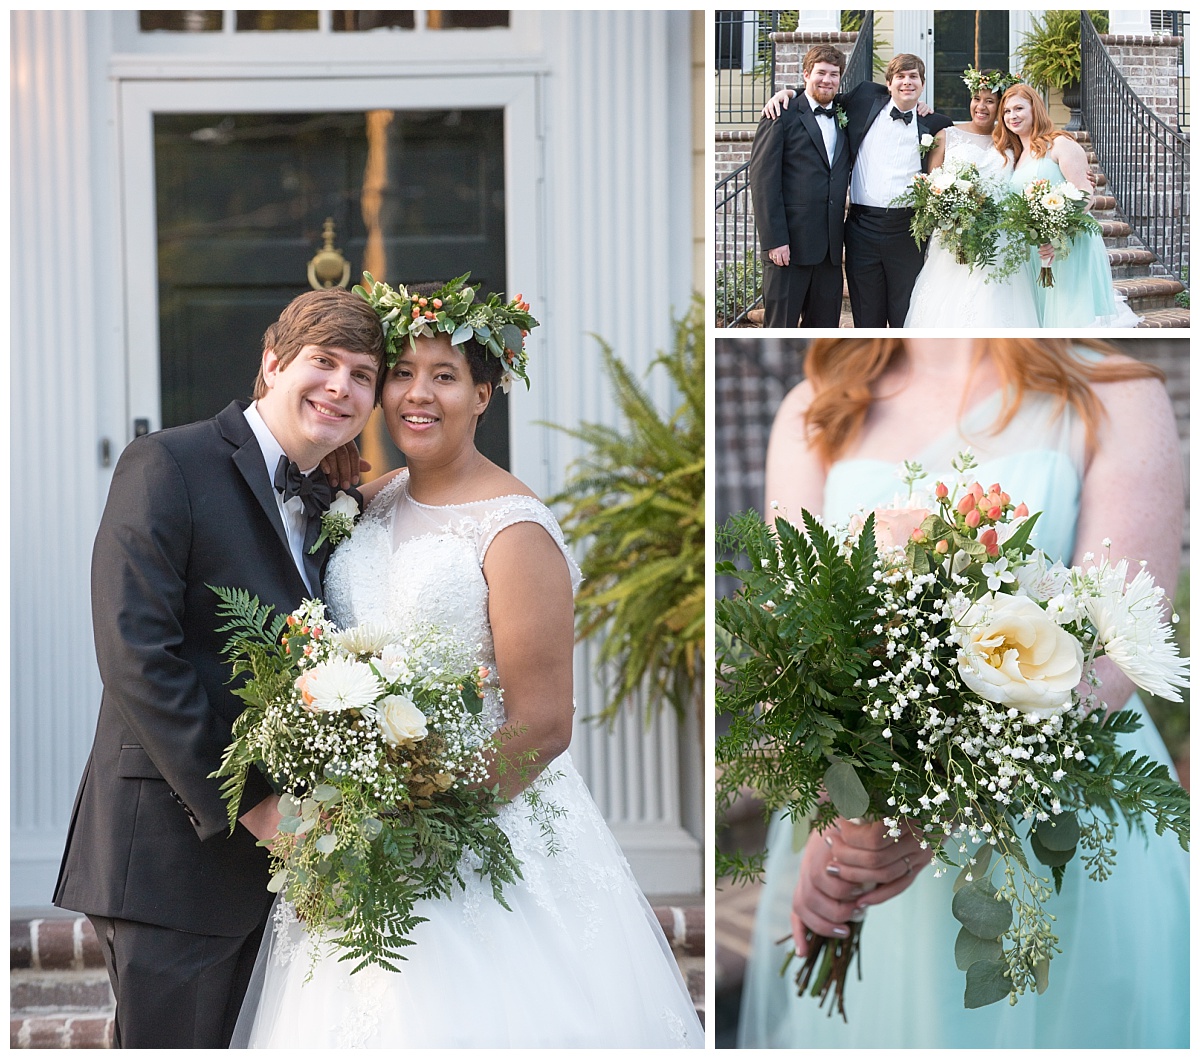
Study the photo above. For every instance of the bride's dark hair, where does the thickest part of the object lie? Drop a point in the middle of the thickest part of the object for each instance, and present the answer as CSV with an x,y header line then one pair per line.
x,y
842,370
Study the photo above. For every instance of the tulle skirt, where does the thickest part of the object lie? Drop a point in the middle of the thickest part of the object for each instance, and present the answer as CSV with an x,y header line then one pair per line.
x,y
948,294
580,961
1121,980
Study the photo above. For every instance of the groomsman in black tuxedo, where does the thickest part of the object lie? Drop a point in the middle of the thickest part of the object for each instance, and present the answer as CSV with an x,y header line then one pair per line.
x,y
886,136
178,902
799,170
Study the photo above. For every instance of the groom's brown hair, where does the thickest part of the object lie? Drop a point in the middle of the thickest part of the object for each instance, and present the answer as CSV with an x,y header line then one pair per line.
x,y
334,318
904,61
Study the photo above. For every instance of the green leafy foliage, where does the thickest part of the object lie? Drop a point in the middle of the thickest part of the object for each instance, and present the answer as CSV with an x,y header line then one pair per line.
x,y
636,502
1049,56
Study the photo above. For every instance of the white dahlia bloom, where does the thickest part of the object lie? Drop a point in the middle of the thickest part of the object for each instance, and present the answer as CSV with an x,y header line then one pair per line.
x,y
367,639
341,684
1130,628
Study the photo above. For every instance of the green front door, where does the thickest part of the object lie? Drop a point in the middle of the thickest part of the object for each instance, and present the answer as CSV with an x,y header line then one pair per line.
x,y
962,39
240,203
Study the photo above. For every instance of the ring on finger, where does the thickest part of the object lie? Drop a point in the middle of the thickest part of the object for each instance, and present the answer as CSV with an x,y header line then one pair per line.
x,y
908,865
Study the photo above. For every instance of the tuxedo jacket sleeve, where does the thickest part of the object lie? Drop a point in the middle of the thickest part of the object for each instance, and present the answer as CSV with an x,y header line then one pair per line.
x,y
149,840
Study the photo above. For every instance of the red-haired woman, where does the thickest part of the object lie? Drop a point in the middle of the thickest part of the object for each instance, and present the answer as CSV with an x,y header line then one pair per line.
x,y
1082,295
1087,437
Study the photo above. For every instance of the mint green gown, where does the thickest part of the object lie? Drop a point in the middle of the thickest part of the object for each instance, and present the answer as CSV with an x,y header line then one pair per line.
x,y
1082,295
1121,980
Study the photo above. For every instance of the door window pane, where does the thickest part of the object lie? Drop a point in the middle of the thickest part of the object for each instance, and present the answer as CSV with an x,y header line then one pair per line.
x,y
180,21
269,21
357,21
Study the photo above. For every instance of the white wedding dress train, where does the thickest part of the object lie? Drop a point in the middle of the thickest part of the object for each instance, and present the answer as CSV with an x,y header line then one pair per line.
x,y
580,960
948,294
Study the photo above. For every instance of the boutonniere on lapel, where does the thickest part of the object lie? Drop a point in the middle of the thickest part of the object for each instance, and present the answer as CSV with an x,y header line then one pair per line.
x,y
926,144
840,117
338,522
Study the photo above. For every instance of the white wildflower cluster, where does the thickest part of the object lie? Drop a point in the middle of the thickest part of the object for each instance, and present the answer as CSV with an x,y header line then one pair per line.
x,y
372,708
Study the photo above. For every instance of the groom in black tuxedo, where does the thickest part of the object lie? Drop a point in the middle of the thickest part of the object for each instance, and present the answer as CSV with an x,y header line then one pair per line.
x,y
178,902
799,170
886,136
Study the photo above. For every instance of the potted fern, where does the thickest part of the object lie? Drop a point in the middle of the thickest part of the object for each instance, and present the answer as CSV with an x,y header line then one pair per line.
x,y
1050,55
635,501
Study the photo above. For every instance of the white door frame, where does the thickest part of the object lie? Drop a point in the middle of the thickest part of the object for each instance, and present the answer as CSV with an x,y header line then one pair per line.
x,y
140,100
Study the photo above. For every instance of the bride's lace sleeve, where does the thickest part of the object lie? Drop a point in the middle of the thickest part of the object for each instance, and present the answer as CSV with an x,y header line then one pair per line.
x,y
508,511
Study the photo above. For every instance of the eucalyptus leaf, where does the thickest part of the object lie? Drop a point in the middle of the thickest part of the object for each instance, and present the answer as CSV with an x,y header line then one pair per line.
x,y
306,825
326,844
289,805
968,949
1052,858
325,793
278,881
371,828
289,824
987,982
1059,832
461,334
975,906
846,790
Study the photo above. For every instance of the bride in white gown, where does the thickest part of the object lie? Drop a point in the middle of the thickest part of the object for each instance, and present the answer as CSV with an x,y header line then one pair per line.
x,y
456,542
946,293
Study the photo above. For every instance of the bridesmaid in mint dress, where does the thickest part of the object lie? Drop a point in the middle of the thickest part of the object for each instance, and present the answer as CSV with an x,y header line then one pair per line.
x,y
1121,979
1082,295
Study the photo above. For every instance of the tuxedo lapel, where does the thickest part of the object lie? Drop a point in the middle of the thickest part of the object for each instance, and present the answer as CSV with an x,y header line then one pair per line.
x,y
809,120
248,459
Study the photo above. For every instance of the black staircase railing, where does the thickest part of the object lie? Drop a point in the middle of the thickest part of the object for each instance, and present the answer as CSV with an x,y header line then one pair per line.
x,y
858,66
1145,160
745,64
738,267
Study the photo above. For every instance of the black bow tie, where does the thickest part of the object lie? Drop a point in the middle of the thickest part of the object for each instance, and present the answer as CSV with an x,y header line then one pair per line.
x,y
827,111
314,490
902,115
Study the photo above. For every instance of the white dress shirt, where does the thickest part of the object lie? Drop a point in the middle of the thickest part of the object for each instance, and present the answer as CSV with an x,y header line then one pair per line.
x,y
887,160
295,522
827,126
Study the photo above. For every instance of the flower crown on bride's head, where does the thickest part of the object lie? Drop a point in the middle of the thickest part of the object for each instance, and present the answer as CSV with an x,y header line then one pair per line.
x,y
988,81
499,327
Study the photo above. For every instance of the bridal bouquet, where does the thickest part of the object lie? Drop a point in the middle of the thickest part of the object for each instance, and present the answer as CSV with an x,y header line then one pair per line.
x,y
377,746
1044,213
953,203
930,669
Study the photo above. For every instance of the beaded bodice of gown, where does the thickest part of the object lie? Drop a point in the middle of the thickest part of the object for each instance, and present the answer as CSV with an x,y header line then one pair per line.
x,y
410,565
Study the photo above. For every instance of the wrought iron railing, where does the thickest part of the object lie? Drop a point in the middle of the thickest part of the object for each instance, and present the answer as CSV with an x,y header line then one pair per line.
x,y
1145,160
738,287
745,64
858,66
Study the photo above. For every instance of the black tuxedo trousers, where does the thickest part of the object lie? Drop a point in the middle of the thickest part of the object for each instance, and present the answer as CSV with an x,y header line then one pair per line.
x,y
149,840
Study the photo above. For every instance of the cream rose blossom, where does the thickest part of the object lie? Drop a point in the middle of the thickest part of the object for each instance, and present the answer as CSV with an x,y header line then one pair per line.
x,y
400,721
1011,652
894,526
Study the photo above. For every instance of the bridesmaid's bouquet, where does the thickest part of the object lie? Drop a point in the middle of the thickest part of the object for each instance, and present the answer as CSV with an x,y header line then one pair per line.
x,y
1044,213
930,669
954,204
376,746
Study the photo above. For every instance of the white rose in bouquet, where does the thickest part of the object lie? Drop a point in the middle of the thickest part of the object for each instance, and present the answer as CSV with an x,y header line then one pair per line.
x,y
400,721
1011,652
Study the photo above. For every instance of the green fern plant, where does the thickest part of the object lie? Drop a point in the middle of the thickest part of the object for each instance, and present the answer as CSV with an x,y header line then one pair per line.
x,y
1050,55
635,500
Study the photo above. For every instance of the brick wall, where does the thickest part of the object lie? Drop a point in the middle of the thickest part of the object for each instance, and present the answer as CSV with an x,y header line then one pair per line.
x,y
1151,66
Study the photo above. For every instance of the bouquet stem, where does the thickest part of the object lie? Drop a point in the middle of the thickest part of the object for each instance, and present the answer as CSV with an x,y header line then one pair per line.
x,y
1046,277
825,968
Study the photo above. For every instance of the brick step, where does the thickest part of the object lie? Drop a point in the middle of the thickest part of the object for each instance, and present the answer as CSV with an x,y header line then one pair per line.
x,y
60,1031
1149,292
60,991
1173,317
